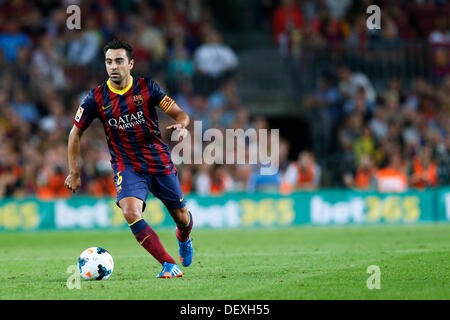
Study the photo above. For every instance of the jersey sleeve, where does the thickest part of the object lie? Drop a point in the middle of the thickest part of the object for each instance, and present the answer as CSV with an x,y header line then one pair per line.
x,y
159,96
87,112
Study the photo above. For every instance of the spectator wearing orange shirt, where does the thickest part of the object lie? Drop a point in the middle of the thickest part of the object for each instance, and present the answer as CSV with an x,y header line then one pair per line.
x,y
103,184
186,179
364,178
392,178
212,180
423,170
303,174
54,187
221,181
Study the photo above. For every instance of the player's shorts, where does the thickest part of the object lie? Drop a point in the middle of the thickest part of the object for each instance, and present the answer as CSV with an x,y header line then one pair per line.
x,y
165,187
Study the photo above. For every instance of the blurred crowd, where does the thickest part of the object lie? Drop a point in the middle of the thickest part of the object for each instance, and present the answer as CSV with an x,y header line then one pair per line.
x,y
345,22
387,136
390,139
47,68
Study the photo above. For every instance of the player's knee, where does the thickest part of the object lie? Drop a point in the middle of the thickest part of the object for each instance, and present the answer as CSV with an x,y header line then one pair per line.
x,y
132,210
180,215
131,214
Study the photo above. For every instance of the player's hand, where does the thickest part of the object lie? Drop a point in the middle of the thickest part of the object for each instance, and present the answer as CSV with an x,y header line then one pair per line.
x,y
73,182
182,131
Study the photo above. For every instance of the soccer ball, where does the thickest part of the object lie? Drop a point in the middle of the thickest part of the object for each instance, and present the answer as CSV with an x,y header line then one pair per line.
x,y
95,263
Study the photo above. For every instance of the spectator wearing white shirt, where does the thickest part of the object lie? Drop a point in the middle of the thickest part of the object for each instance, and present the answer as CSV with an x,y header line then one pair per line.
x,y
441,34
47,64
84,46
203,180
350,83
213,61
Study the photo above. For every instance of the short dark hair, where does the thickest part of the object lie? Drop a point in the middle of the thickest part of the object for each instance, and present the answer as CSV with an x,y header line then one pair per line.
x,y
120,44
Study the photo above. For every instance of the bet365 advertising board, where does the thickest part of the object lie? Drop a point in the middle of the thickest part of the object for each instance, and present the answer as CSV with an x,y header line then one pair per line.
x,y
235,210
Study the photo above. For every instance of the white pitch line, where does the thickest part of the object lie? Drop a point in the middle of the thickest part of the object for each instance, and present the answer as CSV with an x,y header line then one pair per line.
x,y
233,254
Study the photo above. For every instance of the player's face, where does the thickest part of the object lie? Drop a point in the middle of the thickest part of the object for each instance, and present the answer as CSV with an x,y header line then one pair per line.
x,y
118,65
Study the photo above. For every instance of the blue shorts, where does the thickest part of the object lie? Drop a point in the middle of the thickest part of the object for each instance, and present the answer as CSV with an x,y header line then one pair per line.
x,y
165,187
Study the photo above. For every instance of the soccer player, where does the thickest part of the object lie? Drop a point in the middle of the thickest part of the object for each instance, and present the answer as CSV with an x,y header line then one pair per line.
x,y
139,157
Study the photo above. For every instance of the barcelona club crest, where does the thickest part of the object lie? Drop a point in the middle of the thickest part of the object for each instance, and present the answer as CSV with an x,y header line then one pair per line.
x,y
138,100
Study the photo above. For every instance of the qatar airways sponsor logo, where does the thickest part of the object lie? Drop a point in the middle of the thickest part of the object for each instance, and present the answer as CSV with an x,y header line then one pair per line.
x,y
127,121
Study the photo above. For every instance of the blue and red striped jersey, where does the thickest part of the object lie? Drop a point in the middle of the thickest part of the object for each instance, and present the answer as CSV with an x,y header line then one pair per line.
x,y
131,124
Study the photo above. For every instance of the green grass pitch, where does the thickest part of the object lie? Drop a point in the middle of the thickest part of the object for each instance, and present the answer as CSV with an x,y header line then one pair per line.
x,y
287,263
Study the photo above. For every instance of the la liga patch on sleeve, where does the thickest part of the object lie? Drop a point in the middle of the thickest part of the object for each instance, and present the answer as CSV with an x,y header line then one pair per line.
x,y
79,114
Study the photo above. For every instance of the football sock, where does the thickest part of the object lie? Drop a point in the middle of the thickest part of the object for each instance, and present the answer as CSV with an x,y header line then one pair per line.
x,y
148,238
184,232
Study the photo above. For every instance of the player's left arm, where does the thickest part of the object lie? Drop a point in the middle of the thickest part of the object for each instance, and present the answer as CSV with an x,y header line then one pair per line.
x,y
181,118
169,106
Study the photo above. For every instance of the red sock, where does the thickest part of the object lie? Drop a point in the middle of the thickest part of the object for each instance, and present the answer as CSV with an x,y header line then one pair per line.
x,y
184,232
148,238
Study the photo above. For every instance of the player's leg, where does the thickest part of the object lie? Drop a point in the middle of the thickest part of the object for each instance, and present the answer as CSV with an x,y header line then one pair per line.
x,y
167,189
145,235
183,219
184,228
132,190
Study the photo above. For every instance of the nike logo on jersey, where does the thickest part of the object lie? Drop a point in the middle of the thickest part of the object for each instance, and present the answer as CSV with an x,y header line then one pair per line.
x,y
104,108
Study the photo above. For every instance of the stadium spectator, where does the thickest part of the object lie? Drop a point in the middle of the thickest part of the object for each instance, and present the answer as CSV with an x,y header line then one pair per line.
x,y
214,61
322,110
287,21
150,39
302,174
358,35
186,98
56,118
12,39
241,174
441,34
52,185
213,180
47,64
180,65
84,46
364,145
203,180
186,179
221,181
110,23
440,46
226,101
392,178
103,182
351,82
24,107
423,170
10,170
364,178
259,182
338,8
20,67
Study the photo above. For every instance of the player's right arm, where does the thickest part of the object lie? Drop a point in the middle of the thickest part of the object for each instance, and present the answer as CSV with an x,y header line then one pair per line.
x,y
73,180
86,113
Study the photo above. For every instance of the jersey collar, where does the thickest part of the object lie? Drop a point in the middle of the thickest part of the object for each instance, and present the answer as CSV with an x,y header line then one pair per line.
x,y
124,90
